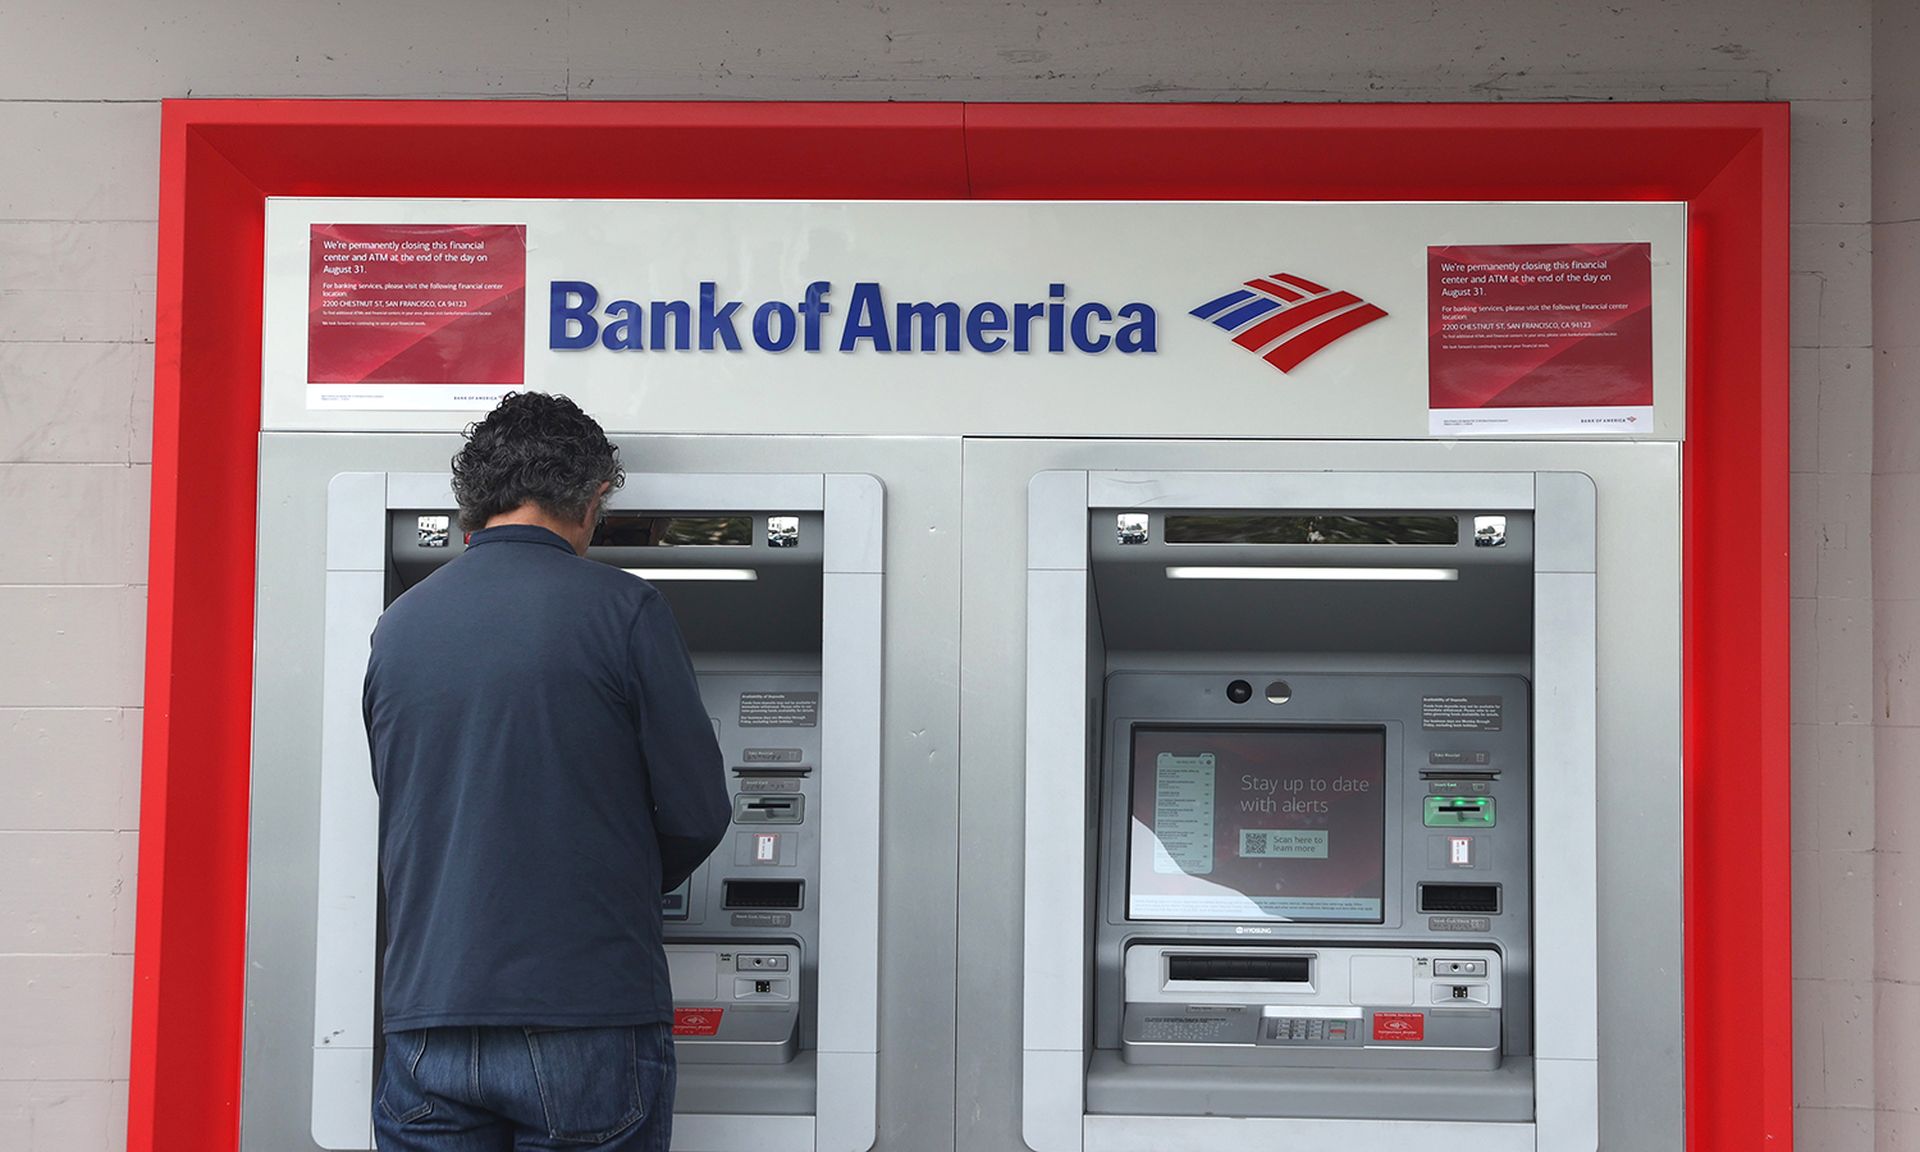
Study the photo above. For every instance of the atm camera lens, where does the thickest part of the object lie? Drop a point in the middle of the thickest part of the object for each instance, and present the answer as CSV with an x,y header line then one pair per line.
x,y
1239,691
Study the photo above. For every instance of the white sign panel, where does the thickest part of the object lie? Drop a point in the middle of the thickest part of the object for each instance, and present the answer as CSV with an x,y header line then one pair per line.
x,y
1351,320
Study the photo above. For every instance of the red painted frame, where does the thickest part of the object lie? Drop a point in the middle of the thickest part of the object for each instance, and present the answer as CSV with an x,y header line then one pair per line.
x,y
220,159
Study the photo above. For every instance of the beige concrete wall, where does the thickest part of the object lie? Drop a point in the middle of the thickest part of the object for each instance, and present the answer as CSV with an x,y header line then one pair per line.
x,y
78,159
1896,571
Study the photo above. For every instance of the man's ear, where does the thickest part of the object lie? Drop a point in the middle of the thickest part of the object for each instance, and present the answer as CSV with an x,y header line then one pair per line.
x,y
597,507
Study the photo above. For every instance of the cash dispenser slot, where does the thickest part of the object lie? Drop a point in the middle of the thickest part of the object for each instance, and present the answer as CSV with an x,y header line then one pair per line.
x,y
1482,899
762,894
1240,969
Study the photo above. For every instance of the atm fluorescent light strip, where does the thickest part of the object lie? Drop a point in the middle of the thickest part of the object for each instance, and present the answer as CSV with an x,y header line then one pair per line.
x,y
693,573
1197,572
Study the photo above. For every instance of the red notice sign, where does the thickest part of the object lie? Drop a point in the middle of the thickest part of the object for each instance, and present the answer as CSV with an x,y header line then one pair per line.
x,y
696,1021
1407,1026
1539,338
417,304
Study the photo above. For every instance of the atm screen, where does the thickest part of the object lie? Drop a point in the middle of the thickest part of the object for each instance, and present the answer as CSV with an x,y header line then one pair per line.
x,y
1258,824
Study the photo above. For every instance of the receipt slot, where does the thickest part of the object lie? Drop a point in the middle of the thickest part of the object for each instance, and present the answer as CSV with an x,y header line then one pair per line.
x,y
1318,811
775,581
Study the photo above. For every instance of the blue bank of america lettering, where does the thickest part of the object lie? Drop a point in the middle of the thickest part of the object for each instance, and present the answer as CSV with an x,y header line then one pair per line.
x,y
577,320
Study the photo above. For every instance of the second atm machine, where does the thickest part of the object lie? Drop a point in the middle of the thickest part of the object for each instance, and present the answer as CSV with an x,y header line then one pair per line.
x,y
1322,710
773,934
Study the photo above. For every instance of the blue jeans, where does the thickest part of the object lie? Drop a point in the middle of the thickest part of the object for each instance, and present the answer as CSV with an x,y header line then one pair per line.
x,y
526,1090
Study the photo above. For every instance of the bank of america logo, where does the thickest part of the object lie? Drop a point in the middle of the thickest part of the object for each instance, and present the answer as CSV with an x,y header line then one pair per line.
x,y
1283,318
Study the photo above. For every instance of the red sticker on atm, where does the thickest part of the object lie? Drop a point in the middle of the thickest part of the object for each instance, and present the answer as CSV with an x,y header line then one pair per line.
x,y
696,1021
1399,1026
436,304
1539,337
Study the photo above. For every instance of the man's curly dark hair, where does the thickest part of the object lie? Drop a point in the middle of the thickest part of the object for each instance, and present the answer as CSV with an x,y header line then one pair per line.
x,y
533,448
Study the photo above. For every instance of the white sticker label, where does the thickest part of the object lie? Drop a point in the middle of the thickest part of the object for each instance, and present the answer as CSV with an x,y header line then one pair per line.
x,y
779,709
766,846
1460,850
1461,713
1183,814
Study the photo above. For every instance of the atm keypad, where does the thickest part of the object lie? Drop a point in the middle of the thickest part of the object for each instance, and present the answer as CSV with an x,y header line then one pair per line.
x,y
1310,1030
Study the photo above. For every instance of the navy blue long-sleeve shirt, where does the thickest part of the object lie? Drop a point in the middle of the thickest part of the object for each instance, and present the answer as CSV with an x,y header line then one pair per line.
x,y
546,769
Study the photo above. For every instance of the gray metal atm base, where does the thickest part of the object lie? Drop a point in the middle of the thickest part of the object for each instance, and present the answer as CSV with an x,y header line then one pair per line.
x,y
1117,1088
765,1090
340,581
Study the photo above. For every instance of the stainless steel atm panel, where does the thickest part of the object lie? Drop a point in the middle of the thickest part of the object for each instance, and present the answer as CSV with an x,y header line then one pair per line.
x,y
746,588
1312,1005
743,931
776,582
1402,959
1324,870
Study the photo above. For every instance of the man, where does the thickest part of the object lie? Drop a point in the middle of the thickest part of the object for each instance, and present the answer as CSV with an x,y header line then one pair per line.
x,y
546,770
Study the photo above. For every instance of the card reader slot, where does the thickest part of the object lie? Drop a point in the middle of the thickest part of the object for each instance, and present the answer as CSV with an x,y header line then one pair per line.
x,y
762,772
769,808
1266,969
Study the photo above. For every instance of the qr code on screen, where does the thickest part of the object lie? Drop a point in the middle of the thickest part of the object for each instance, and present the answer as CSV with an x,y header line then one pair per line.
x,y
1253,843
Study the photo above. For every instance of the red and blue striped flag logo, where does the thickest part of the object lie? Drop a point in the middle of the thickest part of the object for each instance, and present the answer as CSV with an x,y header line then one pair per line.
x,y
1283,318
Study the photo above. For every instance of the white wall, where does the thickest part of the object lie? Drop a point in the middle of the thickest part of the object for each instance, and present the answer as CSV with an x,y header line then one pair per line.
x,y
78,170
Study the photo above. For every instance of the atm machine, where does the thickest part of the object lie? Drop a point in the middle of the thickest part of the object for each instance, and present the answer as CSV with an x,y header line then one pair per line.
x,y
1328,864
775,581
